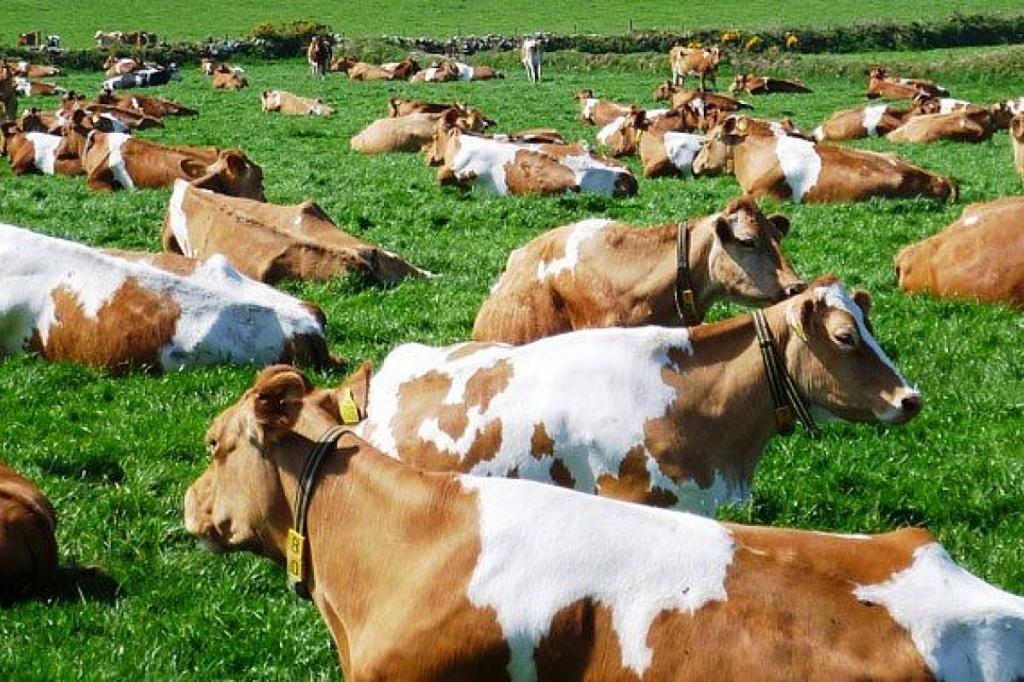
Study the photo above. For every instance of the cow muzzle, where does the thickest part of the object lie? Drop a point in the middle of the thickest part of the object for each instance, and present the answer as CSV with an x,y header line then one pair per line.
x,y
906,405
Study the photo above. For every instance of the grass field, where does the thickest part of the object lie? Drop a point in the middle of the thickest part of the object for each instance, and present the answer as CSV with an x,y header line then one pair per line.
x,y
185,19
115,455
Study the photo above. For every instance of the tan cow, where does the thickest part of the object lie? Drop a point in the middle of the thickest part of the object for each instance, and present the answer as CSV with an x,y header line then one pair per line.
x,y
1017,140
399,106
622,136
962,125
451,70
791,167
38,152
599,112
665,416
319,55
270,243
228,80
414,132
122,66
977,257
531,55
31,88
287,103
68,302
115,160
880,84
435,576
870,121
677,96
155,107
699,61
361,71
763,85
8,92
602,273
27,70
28,547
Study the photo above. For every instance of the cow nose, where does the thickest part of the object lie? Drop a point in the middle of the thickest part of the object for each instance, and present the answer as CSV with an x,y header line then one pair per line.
x,y
911,404
794,288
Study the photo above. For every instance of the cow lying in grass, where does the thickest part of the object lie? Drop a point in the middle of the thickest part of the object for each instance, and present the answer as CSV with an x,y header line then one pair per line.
x,y
961,125
68,302
450,70
677,96
621,137
269,242
602,273
881,84
599,112
429,576
157,107
977,257
762,85
415,131
28,548
285,102
32,148
144,78
792,167
510,167
665,416
114,160
870,121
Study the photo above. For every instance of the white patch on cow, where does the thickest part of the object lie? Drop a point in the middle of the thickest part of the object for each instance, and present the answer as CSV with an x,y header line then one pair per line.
x,y
818,133
872,117
592,390
682,148
578,233
800,162
697,104
964,628
970,220
948,105
836,295
604,135
116,162
23,87
389,66
485,160
592,174
543,549
1015,106
225,317
178,220
23,66
430,73
652,114
135,103
589,104
116,125
45,148
465,71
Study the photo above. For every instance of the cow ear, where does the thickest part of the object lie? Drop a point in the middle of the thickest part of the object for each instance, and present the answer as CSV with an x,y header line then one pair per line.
x,y
353,395
863,300
723,230
800,317
277,398
781,223
78,117
234,160
193,169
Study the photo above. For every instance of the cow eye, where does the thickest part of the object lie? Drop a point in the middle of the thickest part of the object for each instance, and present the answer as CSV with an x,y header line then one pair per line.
x,y
211,445
845,339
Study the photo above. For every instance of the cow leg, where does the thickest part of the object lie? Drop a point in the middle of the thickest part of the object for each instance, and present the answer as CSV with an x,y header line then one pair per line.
x,y
101,180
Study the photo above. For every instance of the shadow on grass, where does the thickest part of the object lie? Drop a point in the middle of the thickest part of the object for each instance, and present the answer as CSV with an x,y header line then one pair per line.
x,y
73,584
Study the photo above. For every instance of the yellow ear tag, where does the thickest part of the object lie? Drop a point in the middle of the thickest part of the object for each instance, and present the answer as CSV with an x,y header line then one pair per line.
x,y
741,125
348,408
295,564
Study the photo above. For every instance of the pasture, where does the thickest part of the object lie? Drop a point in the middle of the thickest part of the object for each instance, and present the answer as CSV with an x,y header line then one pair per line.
x,y
115,455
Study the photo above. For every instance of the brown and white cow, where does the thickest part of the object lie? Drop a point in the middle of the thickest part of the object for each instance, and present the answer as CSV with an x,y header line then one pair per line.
x,y
319,55
400,106
622,136
156,107
361,71
1017,141
8,92
677,96
27,70
68,302
699,61
285,102
116,160
599,112
38,152
121,66
269,242
763,85
28,547
105,39
504,166
414,132
880,84
31,39
852,124
603,273
785,166
962,125
977,257
430,576
228,80
31,88
665,416
451,70
531,55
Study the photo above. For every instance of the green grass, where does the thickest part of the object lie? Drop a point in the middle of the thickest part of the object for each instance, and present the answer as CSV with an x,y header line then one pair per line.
x,y
116,455
187,19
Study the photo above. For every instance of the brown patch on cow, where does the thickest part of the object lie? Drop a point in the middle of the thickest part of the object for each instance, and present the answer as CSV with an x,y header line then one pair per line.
x,y
633,483
560,474
581,644
541,443
536,173
128,330
28,549
465,350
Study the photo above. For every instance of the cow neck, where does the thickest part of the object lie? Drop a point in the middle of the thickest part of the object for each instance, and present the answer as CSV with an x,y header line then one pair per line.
x,y
661,277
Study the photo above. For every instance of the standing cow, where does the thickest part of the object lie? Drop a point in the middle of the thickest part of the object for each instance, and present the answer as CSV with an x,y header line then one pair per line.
x,y
533,58
1017,139
8,93
319,55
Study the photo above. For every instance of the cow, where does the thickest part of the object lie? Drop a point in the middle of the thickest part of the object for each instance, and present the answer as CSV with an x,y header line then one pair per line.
x,y
27,70
32,39
599,112
622,136
105,39
413,132
1017,140
68,302
672,417
226,79
210,67
398,106
285,102
785,166
116,160
8,92
961,125
30,88
319,55
677,96
762,85
118,120
145,78
508,167
361,71
977,257
431,576
880,84
603,273
35,120
403,70
269,243
532,57
115,66
38,152
28,546
451,70
700,61
156,107
852,124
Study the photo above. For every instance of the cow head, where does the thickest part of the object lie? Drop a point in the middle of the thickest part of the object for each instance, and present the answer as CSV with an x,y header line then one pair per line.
x,y
739,83
1001,115
664,91
270,100
746,262
877,73
717,152
343,64
447,138
1017,128
232,174
623,141
836,361
8,129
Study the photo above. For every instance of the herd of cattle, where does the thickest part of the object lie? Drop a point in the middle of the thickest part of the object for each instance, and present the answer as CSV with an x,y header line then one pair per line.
x,y
589,373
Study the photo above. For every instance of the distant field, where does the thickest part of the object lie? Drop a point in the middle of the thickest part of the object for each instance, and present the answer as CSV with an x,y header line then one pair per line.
x,y
184,19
